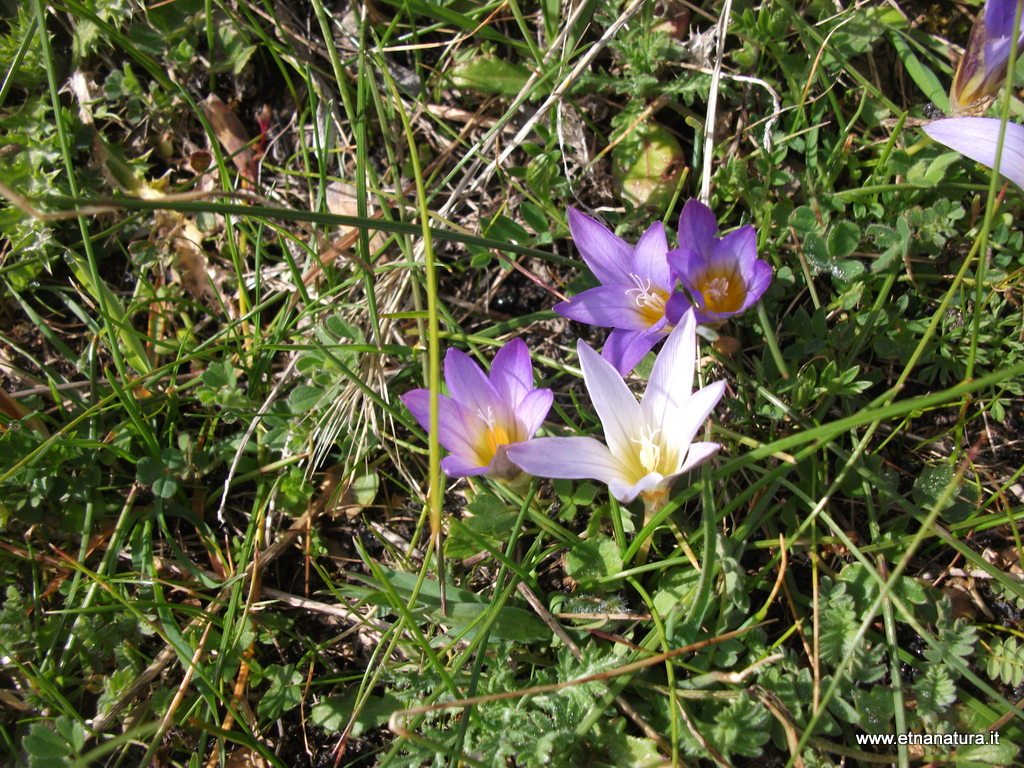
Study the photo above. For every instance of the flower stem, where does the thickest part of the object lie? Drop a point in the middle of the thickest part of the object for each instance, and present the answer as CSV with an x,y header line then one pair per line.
x,y
653,502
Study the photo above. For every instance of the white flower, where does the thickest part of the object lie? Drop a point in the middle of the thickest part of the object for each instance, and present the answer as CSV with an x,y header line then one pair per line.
x,y
649,442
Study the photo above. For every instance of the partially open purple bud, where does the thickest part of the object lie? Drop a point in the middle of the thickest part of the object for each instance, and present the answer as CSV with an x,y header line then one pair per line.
x,y
982,69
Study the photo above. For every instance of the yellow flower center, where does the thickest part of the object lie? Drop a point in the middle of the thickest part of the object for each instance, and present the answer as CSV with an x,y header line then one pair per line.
x,y
649,300
495,435
723,290
650,454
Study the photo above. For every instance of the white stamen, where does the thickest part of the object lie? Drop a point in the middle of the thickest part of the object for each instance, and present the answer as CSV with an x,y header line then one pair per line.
x,y
487,418
642,295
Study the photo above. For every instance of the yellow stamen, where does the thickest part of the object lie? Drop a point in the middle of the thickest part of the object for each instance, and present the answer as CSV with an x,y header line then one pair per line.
x,y
495,436
652,454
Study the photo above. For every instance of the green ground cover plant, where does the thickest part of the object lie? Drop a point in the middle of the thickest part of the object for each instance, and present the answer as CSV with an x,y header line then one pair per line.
x,y
293,293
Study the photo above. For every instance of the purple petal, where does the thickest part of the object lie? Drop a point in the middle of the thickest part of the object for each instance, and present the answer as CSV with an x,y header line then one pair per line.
x,y
758,283
456,466
697,228
467,384
460,430
566,457
618,410
999,16
624,349
457,429
608,255
532,411
418,403
676,307
649,262
512,372
698,454
687,264
978,138
705,318
607,306
738,247
671,382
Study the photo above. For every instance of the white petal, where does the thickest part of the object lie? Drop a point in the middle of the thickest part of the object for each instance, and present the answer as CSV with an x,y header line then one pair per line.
x,y
680,432
625,492
698,454
668,389
616,406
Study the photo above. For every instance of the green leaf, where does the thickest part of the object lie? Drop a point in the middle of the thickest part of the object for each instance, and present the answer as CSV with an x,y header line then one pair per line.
x,y
333,713
863,587
503,228
464,607
930,484
843,239
161,473
72,731
741,728
45,748
218,375
986,755
1005,661
876,708
534,217
926,80
510,623
304,398
804,220
490,526
839,626
936,170
365,487
594,559
134,351
935,691
489,75
650,179
284,693
676,590
848,269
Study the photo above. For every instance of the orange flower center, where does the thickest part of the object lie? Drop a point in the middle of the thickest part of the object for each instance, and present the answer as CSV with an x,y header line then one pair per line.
x,y
723,290
649,300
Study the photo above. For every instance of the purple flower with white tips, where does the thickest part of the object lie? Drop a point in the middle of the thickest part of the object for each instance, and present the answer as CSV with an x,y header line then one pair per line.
x,y
482,415
982,69
723,275
978,139
649,442
636,284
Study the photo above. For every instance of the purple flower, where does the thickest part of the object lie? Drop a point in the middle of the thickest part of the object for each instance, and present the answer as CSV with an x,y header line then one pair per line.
x,y
983,67
484,414
722,274
649,443
978,139
636,284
